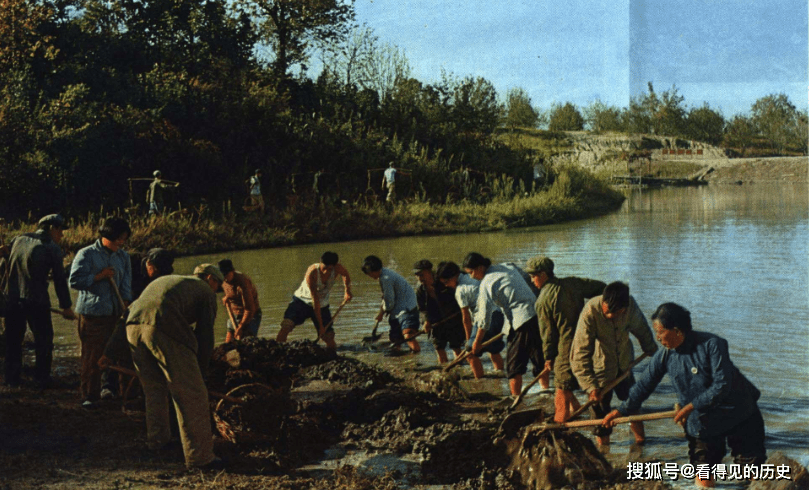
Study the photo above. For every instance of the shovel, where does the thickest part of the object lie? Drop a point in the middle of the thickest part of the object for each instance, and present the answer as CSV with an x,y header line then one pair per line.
x,y
214,394
525,417
618,420
118,295
374,336
525,390
608,387
467,353
331,322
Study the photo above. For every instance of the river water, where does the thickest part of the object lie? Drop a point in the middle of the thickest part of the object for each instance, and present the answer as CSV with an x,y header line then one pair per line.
x,y
736,256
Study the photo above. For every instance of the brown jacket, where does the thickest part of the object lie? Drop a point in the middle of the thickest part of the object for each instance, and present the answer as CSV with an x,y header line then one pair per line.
x,y
601,349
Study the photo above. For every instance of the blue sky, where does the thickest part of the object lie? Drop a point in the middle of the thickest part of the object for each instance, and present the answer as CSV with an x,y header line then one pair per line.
x,y
725,52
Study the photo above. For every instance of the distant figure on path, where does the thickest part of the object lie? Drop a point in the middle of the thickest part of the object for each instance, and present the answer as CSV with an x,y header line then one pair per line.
x,y
155,194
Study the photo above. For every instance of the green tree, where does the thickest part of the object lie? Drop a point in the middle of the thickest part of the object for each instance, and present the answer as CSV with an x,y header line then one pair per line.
x,y
777,119
474,105
291,27
601,118
705,124
739,133
519,111
565,118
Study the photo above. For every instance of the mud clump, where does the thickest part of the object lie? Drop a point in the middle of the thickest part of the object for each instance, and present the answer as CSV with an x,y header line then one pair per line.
x,y
445,385
546,459
349,372
270,362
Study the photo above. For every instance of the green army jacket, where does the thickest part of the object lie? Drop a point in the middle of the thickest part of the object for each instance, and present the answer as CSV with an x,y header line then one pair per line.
x,y
558,307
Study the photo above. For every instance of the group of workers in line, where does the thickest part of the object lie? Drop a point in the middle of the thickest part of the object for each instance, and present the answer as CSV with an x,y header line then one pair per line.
x,y
578,328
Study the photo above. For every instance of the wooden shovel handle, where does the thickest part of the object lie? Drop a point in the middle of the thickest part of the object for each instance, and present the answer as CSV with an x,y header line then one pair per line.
x,y
466,354
118,294
609,386
619,420
331,322
528,387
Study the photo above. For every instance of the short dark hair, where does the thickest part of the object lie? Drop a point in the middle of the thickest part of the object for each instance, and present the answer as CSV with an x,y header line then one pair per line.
x,y
473,260
671,316
329,258
616,296
447,270
372,263
113,227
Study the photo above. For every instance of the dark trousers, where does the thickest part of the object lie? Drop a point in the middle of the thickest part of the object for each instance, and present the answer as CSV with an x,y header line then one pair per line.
x,y
746,441
524,344
38,317
602,408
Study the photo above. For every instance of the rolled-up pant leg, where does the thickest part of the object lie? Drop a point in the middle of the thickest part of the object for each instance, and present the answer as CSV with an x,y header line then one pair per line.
x,y
172,367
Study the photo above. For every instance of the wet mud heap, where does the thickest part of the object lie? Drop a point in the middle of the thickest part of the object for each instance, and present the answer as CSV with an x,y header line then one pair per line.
x,y
546,459
300,399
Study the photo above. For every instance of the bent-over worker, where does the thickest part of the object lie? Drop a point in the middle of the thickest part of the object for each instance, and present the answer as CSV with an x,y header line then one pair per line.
x,y
718,402
170,332
241,299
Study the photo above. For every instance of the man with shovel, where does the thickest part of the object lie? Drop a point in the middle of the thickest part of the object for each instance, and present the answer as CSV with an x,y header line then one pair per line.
x,y
92,273
558,307
311,299
602,351
241,302
719,403
398,302
438,307
504,286
170,333
31,258
466,295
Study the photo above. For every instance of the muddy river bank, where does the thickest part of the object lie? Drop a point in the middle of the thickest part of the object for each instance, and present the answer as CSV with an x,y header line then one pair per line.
x,y
308,418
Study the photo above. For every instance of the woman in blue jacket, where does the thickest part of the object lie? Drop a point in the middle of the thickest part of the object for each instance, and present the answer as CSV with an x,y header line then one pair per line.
x,y
719,403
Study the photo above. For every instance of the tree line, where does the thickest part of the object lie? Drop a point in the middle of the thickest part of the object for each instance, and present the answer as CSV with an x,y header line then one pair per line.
x,y
774,125
93,92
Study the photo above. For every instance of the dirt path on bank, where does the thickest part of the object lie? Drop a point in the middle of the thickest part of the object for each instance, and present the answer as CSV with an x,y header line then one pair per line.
x,y
758,170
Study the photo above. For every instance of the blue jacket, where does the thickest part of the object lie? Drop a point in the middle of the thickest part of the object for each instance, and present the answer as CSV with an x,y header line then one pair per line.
x,y
98,298
702,373
398,295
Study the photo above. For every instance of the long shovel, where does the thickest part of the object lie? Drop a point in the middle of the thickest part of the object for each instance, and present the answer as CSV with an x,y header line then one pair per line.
x,y
467,353
331,322
618,420
606,389
525,390
118,295
214,394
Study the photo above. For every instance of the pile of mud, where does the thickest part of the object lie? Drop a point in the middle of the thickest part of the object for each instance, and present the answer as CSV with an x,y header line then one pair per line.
x,y
546,459
263,360
300,400
349,372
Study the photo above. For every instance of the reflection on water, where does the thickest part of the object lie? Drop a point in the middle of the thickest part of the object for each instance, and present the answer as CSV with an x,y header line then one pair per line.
x,y
736,256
